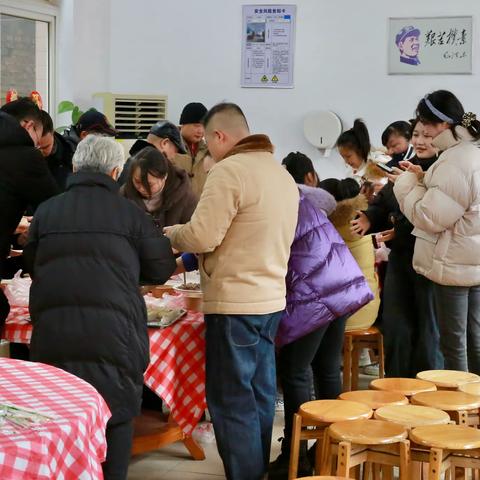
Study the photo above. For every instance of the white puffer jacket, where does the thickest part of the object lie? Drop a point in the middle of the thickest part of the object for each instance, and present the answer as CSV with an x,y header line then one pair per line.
x,y
445,211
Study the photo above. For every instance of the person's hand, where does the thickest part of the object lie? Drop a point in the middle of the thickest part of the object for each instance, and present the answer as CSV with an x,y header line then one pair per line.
x,y
395,174
167,230
416,169
386,236
361,224
22,238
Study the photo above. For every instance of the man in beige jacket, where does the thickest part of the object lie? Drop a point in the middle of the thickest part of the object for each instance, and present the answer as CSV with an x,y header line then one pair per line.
x,y
242,228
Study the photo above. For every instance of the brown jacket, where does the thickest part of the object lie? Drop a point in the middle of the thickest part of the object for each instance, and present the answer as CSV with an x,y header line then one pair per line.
x,y
194,166
176,204
244,225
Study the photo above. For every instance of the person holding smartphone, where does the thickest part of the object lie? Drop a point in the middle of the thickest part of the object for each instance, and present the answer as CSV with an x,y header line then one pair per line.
x,y
409,326
444,206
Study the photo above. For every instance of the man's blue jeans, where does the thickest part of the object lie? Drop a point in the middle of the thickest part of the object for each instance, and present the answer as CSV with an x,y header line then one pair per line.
x,y
241,388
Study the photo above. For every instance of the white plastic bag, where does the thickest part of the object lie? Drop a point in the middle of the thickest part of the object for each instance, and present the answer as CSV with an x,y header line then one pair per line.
x,y
203,433
18,290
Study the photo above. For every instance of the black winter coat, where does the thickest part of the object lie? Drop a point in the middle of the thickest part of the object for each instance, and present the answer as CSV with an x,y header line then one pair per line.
x,y
24,179
60,161
384,213
90,249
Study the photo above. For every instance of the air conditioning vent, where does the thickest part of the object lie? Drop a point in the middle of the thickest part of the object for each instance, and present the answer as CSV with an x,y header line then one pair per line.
x,y
133,115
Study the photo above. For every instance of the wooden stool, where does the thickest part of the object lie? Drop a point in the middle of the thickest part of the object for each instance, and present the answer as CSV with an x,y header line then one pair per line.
x,y
322,478
353,343
367,442
450,446
411,416
448,379
462,407
319,414
405,386
471,388
375,398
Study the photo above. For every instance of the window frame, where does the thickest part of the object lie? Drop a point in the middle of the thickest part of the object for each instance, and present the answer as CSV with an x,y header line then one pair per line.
x,y
45,11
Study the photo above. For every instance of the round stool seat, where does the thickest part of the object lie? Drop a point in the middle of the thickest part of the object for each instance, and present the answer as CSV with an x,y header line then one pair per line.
x,y
447,400
375,398
367,432
471,388
321,478
405,386
331,411
449,437
410,416
448,378
363,333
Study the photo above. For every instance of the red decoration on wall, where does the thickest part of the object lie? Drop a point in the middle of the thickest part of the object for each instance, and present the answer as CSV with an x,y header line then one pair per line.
x,y
37,99
12,95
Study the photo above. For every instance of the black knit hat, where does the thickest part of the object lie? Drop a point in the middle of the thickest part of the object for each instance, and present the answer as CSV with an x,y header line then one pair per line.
x,y
193,113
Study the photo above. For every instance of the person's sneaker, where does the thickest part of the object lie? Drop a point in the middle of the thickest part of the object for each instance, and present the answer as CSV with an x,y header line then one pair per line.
x,y
372,370
279,403
364,358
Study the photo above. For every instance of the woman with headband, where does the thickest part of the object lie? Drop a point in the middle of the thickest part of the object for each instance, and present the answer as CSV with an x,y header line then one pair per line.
x,y
444,206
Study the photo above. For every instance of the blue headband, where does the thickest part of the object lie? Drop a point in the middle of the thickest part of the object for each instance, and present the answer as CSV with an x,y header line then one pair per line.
x,y
437,112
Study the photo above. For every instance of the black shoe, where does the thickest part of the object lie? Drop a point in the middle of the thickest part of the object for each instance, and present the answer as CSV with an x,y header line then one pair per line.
x,y
278,469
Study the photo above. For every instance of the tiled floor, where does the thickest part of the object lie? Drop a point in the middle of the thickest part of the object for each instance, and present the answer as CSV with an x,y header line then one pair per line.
x,y
174,463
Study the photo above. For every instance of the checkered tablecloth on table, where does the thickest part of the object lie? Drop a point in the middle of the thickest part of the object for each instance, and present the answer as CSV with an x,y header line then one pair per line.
x,y
177,362
18,328
72,445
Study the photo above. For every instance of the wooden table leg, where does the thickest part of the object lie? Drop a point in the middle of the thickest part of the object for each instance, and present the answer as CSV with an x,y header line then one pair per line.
x,y
196,451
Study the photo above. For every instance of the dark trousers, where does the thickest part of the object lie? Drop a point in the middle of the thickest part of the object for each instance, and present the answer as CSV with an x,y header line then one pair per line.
x,y
119,446
241,389
458,310
322,351
409,324
4,308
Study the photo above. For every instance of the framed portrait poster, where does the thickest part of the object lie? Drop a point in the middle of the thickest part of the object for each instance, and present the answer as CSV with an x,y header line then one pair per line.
x,y
430,45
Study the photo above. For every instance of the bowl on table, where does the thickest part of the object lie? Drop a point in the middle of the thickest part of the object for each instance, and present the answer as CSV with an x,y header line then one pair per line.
x,y
193,295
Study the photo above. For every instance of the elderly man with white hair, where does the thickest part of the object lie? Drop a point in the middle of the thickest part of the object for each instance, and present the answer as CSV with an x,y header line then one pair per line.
x,y
88,251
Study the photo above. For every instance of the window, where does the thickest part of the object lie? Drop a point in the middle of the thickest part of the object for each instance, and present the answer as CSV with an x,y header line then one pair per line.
x,y
26,53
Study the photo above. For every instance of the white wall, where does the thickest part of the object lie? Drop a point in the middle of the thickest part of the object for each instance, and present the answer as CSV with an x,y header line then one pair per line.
x,y
191,50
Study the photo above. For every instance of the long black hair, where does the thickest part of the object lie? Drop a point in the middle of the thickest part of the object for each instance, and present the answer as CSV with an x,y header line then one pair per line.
x,y
150,161
357,138
443,106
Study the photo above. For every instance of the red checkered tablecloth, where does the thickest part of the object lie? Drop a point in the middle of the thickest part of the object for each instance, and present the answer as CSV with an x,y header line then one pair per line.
x,y
177,362
72,445
18,328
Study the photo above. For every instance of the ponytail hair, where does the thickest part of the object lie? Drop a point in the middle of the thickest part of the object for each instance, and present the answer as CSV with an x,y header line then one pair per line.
x,y
357,138
443,106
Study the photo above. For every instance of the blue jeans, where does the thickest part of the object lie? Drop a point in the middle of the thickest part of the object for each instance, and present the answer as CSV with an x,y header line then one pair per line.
x,y
241,388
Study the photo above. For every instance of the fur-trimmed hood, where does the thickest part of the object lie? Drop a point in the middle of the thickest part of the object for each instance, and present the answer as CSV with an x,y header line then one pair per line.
x,y
252,143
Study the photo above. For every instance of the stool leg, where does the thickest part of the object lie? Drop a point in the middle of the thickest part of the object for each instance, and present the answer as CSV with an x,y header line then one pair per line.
x,y
295,446
367,471
377,471
326,462
404,447
355,371
319,452
343,463
347,363
435,470
381,357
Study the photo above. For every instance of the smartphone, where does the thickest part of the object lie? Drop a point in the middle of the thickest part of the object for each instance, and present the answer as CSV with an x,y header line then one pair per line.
x,y
384,167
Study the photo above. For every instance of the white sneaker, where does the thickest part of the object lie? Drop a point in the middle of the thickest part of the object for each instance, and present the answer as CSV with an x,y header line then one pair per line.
x,y
372,370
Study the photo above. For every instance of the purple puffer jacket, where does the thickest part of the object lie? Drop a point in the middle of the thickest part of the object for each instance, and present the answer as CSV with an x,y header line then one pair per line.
x,y
324,281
